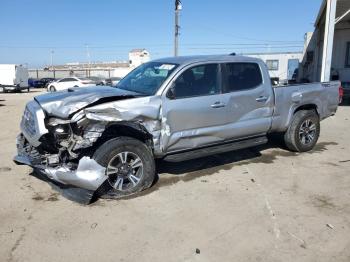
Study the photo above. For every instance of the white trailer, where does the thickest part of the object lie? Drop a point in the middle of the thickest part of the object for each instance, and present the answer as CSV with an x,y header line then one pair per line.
x,y
13,77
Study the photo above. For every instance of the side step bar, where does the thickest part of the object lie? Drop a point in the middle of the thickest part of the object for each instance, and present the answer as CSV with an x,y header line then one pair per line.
x,y
217,149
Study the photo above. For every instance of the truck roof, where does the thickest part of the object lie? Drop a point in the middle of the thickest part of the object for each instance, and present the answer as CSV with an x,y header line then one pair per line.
x,y
181,60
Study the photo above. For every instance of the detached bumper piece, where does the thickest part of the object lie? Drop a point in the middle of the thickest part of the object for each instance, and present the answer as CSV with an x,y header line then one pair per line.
x,y
79,183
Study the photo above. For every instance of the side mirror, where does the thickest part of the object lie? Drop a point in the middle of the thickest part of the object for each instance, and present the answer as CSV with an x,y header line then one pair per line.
x,y
171,92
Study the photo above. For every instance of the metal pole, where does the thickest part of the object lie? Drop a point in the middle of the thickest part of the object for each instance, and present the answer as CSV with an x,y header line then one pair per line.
x,y
178,7
328,40
52,52
88,54
176,43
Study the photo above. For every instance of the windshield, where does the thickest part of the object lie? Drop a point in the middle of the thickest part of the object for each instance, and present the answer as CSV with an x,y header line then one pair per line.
x,y
147,78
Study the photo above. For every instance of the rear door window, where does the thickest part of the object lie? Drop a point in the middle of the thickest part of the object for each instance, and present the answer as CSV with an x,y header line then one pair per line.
x,y
198,81
241,76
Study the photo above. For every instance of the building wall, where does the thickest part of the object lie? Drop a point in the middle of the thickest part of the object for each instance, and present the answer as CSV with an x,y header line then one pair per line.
x,y
138,57
103,73
341,38
312,71
283,58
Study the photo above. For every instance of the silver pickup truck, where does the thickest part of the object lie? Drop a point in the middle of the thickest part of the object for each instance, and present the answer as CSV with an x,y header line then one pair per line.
x,y
106,139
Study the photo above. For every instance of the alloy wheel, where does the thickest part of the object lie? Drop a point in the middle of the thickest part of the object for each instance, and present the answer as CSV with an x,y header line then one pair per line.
x,y
307,132
124,171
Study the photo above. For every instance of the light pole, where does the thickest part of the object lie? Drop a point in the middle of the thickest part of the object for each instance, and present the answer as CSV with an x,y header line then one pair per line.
x,y
51,54
178,8
88,57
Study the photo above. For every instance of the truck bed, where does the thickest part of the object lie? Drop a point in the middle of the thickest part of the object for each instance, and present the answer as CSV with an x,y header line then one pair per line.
x,y
324,97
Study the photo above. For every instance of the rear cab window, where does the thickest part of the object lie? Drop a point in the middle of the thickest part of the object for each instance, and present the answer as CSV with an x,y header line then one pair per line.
x,y
241,76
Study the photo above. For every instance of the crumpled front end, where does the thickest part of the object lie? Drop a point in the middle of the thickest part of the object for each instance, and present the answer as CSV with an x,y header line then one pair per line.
x,y
86,173
49,147
62,149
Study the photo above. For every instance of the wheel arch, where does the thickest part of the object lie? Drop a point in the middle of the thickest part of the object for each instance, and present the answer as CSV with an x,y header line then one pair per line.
x,y
282,124
126,129
307,107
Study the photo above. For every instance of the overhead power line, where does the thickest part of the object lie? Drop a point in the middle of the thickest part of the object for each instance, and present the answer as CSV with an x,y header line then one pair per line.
x,y
145,45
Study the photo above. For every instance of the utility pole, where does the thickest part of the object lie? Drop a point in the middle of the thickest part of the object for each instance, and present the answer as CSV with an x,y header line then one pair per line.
x,y
178,8
51,54
88,54
88,58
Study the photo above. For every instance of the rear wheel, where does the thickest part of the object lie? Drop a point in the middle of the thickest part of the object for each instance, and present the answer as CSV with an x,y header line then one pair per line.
x,y
52,89
129,163
303,132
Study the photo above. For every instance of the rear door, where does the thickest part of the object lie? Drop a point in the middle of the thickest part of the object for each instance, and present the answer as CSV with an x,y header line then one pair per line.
x,y
250,99
193,109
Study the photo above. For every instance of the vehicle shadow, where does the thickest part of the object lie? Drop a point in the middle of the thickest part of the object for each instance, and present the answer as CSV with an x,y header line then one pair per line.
x,y
25,91
170,173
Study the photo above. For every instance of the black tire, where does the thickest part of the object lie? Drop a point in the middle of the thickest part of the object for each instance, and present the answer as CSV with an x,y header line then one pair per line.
x,y
52,89
110,150
297,137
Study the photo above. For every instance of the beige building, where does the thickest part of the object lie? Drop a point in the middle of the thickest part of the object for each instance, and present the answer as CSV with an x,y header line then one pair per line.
x,y
282,66
327,49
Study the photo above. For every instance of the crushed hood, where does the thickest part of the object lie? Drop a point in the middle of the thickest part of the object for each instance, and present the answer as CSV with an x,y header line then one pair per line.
x,y
64,103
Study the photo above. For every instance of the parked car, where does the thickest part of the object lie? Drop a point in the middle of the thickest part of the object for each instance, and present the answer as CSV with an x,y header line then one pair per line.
x,y
97,80
68,82
46,81
105,140
13,77
35,83
113,81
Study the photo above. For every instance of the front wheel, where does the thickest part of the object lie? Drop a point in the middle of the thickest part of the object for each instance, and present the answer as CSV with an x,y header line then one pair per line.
x,y
303,132
52,89
129,164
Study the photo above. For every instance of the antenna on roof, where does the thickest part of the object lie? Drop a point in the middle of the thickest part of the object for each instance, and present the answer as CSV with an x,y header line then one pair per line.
x,y
233,54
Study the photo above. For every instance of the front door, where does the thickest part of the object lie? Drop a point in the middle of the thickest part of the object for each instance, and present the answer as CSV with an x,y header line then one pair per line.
x,y
194,110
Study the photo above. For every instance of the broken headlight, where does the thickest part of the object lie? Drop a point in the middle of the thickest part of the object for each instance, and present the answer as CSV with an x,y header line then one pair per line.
x,y
60,128
57,121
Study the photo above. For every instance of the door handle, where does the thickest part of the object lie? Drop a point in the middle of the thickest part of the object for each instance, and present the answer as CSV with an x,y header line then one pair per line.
x,y
262,99
218,104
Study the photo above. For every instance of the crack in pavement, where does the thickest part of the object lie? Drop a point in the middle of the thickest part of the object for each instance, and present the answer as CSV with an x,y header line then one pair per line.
x,y
16,245
276,229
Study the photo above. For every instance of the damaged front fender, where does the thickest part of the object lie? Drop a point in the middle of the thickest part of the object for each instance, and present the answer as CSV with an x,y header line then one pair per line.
x,y
143,113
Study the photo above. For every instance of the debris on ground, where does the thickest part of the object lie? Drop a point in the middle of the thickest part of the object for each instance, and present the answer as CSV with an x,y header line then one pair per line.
x,y
94,225
253,180
198,251
5,169
330,226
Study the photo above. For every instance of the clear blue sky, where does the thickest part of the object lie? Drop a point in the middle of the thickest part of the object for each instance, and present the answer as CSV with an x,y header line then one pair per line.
x,y
30,29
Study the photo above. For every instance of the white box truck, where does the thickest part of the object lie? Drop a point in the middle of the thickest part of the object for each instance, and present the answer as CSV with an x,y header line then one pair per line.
x,y
13,77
